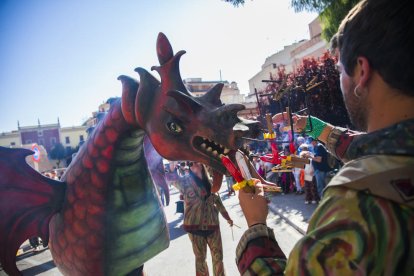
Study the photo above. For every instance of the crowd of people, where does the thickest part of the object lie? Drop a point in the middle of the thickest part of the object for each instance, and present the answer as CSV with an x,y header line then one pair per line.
x,y
309,179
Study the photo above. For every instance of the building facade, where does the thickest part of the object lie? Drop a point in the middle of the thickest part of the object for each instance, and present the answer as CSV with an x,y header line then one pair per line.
x,y
72,137
44,135
230,93
289,58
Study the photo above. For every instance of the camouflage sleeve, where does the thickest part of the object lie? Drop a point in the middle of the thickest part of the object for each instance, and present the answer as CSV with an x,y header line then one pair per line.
x,y
258,253
339,140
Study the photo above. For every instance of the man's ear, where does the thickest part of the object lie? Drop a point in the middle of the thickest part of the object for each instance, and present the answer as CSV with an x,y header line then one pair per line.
x,y
363,71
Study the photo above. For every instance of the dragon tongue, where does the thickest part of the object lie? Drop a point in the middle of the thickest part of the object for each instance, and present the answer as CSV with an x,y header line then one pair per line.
x,y
217,180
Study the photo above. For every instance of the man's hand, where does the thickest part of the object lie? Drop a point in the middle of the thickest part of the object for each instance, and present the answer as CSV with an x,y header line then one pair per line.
x,y
254,206
299,122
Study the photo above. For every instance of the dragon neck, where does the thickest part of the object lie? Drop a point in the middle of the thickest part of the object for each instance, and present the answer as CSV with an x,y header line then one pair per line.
x,y
97,154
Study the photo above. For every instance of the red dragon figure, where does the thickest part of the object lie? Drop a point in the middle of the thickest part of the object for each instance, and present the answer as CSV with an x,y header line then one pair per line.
x,y
104,217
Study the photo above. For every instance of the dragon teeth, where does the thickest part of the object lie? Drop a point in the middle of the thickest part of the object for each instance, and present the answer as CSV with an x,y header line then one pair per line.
x,y
226,150
215,153
203,145
209,149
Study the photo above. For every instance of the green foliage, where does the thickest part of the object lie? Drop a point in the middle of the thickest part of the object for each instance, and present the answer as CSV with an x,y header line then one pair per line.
x,y
331,11
311,5
235,3
57,152
332,16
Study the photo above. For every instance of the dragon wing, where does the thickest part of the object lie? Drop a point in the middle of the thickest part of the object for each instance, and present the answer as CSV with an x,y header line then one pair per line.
x,y
28,200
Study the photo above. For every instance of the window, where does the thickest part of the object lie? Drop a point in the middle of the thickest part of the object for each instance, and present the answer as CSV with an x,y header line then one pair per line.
x,y
53,140
12,144
67,140
28,141
41,141
81,138
39,133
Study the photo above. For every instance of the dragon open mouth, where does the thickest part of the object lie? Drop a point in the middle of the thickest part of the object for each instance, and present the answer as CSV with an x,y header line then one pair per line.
x,y
210,147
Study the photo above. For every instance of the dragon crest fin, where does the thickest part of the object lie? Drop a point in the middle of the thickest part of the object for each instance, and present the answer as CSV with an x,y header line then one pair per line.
x,y
185,101
129,93
147,91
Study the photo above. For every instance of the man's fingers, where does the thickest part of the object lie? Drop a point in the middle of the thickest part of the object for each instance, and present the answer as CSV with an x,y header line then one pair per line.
x,y
258,189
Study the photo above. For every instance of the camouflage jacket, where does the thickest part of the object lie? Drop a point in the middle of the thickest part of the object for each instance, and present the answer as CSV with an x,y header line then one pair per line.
x,y
353,231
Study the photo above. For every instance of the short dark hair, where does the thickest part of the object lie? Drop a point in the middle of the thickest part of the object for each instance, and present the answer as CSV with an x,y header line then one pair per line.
x,y
383,32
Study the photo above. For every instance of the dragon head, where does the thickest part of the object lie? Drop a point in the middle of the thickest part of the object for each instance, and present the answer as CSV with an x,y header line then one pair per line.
x,y
179,125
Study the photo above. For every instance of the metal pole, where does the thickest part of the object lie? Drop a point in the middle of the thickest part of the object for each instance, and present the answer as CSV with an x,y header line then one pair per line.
x,y
258,104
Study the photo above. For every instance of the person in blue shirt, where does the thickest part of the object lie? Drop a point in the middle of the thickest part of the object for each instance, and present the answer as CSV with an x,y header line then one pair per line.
x,y
320,165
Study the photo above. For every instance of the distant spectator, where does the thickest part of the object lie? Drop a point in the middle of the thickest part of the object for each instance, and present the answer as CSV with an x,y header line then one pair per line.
x,y
296,171
311,195
320,165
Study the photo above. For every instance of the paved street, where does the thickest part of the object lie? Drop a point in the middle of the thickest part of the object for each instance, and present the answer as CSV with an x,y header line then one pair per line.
x,y
288,217
178,259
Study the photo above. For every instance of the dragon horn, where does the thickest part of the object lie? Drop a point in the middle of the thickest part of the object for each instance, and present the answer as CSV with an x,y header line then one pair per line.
x,y
164,49
231,108
213,95
169,69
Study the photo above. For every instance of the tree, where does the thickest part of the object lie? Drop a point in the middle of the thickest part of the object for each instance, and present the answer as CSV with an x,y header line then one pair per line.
x,y
236,3
58,153
331,12
314,84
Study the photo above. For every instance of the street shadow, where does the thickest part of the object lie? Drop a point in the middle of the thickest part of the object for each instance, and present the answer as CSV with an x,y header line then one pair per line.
x,y
175,230
225,195
293,205
36,270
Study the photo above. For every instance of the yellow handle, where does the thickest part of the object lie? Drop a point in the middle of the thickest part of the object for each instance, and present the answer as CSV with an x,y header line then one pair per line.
x,y
243,184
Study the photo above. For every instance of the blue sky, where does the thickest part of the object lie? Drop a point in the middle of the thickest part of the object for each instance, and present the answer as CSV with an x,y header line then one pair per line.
x,y
62,58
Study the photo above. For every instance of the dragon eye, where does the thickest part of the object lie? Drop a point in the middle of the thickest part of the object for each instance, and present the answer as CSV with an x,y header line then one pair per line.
x,y
174,127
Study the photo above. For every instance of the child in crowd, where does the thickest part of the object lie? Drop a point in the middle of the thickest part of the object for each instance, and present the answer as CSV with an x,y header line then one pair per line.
x,y
310,187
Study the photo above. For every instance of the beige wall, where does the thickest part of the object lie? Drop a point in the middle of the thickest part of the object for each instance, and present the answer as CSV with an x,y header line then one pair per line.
x,y
73,133
282,57
230,93
8,138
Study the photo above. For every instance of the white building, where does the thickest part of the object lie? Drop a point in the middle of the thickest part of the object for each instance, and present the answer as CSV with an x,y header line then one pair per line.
x,y
230,93
290,58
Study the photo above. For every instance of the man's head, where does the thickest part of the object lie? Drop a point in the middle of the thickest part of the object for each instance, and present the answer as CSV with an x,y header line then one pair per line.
x,y
376,37
304,147
312,141
300,140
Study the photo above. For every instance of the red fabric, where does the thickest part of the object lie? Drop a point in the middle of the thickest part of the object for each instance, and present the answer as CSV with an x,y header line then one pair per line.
x,y
302,178
259,248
